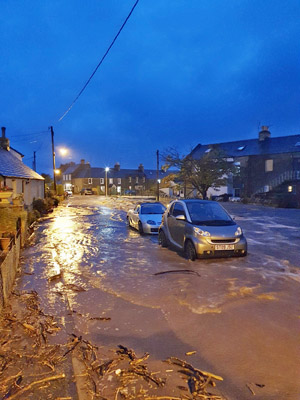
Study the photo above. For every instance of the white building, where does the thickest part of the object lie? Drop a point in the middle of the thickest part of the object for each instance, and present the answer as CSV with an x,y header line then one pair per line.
x,y
18,176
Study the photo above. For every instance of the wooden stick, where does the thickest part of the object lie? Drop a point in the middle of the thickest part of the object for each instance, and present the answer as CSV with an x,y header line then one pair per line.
x,y
26,388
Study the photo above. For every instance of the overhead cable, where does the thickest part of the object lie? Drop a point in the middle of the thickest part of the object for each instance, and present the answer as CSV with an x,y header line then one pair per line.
x,y
101,61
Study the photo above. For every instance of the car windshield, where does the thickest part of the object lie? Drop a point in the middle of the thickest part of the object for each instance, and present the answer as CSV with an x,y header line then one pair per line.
x,y
208,214
152,209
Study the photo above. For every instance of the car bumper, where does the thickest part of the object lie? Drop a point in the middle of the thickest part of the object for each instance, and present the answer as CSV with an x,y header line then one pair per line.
x,y
151,229
206,250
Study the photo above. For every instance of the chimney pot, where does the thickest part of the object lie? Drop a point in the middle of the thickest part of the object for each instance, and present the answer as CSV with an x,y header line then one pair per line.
x,y
117,166
82,161
3,129
141,168
264,133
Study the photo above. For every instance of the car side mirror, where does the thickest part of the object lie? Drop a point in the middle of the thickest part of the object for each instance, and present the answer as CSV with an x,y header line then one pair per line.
x,y
180,217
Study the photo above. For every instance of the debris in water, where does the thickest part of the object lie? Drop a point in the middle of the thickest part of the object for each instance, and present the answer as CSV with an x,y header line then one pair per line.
x,y
178,271
190,353
250,388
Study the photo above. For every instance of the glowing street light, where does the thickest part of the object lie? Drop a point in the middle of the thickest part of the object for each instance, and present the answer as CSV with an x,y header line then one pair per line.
x,y
57,171
106,171
63,151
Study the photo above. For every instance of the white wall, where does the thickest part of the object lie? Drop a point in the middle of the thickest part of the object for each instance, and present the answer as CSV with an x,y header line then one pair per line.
x,y
30,188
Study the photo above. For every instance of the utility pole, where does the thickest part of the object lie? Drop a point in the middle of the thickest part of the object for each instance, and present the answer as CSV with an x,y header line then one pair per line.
x,y
53,158
157,174
34,161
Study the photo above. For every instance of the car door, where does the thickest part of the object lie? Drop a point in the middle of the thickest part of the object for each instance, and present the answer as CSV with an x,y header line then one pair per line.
x,y
177,227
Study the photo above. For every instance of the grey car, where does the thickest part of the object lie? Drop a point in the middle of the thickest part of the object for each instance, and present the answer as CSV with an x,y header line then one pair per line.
x,y
201,228
146,217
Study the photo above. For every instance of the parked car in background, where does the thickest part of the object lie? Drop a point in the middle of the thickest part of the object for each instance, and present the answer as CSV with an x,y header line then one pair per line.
x,y
146,217
201,228
86,191
130,192
234,199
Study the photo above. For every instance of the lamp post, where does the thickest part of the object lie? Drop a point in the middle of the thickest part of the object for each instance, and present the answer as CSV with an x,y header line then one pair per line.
x,y
53,158
158,182
106,171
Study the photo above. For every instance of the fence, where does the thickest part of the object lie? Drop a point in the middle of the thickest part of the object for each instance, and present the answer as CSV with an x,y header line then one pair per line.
x,y
8,267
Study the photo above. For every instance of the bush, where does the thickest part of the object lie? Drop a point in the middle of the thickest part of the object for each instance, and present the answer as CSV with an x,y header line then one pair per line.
x,y
40,205
32,216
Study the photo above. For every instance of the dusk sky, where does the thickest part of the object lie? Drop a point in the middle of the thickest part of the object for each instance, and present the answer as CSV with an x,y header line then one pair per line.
x,y
182,72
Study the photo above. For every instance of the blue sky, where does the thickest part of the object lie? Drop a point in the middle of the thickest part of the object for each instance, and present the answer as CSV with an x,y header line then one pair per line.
x,y
181,73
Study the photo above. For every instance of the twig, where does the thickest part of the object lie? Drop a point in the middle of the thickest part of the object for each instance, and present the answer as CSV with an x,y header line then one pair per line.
x,y
26,388
180,271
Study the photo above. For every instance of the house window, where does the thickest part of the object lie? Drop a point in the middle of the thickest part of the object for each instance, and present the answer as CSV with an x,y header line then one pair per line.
x,y
101,181
90,181
129,187
144,179
118,189
137,179
119,181
64,177
129,179
70,177
111,181
268,165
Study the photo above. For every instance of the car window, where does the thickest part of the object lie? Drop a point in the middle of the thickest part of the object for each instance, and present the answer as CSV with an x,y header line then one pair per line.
x,y
178,210
137,208
211,214
152,208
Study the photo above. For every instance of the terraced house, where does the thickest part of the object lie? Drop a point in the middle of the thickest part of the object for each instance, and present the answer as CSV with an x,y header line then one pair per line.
x,y
269,167
119,181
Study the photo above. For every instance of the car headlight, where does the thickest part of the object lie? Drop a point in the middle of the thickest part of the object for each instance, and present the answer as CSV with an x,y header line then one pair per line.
x,y
200,232
238,231
150,222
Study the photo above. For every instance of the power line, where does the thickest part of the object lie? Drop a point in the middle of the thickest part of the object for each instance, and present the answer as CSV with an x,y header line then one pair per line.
x,y
28,134
101,61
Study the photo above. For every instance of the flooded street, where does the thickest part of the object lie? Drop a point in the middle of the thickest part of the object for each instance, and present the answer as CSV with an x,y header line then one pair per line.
x,y
240,316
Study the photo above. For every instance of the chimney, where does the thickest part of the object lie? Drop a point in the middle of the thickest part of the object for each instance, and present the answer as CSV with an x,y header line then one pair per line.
x,y
141,168
264,133
117,166
82,161
4,142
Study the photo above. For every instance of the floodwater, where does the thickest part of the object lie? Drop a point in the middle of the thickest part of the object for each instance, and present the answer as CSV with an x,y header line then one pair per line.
x,y
239,315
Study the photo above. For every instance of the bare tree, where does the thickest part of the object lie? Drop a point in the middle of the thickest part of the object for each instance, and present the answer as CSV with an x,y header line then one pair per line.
x,y
210,170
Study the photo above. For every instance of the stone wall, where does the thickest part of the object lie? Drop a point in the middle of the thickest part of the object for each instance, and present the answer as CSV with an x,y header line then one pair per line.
x,y
9,216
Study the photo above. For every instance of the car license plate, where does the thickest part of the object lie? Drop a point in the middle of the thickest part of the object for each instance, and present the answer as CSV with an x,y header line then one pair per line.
x,y
224,247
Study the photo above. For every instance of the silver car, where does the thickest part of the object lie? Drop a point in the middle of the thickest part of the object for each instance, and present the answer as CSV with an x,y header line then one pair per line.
x,y
146,217
201,228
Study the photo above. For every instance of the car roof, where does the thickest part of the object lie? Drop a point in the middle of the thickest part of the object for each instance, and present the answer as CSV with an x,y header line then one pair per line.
x,y
194,200
149,202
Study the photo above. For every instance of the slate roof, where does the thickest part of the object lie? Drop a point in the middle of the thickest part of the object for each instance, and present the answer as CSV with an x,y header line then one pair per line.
x,y
254,147
12,167
71,169
91,172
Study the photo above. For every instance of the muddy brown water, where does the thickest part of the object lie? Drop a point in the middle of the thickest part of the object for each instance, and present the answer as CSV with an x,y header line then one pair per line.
x,y
240,316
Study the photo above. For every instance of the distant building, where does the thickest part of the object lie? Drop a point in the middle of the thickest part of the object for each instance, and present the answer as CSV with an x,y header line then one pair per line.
x,y
269,167
16,175
119,181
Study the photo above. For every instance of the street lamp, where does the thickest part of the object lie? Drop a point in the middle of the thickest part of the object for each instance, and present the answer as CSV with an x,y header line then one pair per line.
x,y
63,151
158,182
106,171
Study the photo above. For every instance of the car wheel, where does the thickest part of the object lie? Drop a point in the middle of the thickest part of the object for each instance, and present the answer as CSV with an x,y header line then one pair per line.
x,y
128,221
162,239
190,251
141,230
